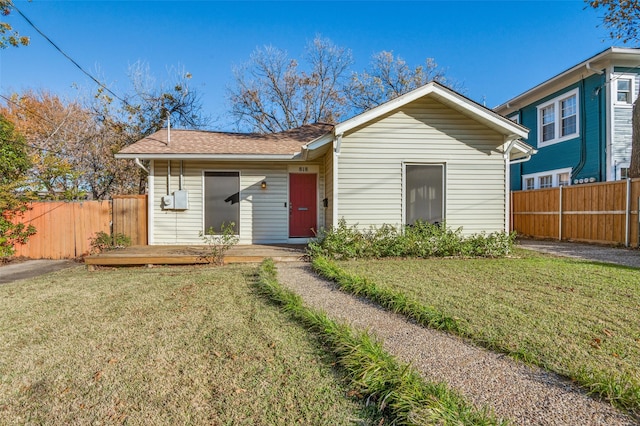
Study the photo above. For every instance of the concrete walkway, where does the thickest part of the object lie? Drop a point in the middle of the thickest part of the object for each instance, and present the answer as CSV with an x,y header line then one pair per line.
x,y
32,268
606,254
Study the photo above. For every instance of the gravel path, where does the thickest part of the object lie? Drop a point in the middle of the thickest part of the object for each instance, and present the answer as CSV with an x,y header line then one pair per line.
x,y
526,395
617,255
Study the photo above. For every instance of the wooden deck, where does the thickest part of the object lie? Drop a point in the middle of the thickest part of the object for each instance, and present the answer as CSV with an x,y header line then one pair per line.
x,y
195,254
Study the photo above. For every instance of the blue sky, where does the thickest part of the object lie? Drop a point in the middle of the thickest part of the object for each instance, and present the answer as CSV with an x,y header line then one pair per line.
x,y
496,49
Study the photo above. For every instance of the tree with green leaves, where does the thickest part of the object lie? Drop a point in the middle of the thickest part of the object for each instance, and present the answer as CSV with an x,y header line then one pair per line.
x,y
622,19
14,196
9,36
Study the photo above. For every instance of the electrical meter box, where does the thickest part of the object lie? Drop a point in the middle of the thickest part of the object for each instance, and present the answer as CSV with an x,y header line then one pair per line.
x,y
167,202
180,200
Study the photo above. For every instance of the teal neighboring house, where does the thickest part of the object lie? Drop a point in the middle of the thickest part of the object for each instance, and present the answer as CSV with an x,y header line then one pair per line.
x,y
579,121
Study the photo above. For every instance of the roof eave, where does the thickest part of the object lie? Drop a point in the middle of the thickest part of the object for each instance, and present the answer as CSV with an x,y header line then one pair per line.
x,y
221,157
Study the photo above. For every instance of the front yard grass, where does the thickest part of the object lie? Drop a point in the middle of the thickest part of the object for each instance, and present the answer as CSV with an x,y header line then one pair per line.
x,y
160,346
577,318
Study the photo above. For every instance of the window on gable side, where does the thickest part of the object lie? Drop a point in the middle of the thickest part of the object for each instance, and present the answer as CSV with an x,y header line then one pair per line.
x,y
548,123
623,86
568,114
559,119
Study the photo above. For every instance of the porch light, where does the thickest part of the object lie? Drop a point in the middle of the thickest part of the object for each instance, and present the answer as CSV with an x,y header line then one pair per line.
x,y
263,185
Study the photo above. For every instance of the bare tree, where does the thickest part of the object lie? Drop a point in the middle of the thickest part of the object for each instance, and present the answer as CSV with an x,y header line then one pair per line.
x,y
271,94
622,18
387,78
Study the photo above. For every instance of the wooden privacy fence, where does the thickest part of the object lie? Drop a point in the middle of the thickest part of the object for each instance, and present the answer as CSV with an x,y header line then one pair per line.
x,y
605,213
64,229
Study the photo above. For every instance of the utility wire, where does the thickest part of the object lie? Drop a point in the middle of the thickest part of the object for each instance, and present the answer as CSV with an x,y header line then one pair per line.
x,y
98,82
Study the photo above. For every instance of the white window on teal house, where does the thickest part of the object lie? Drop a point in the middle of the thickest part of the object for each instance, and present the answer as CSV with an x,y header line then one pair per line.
x,y
548,116
623,85
563,111
547,179
568,114
529,183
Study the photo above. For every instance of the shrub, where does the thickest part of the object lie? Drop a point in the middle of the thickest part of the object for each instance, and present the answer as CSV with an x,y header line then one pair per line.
x,y
102,241
419,240
219,242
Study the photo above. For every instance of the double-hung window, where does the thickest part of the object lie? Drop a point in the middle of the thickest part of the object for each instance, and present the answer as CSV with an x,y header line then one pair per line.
x,y
623,85
558,119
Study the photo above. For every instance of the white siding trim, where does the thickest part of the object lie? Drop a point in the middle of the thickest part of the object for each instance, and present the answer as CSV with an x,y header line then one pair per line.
x,y
336,155
608,123
150,203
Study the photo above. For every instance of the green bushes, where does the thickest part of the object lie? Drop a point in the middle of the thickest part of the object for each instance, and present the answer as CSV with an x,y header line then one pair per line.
x,y
101,241
420,240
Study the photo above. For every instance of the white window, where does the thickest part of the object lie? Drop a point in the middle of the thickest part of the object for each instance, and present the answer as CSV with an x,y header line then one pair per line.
x,y
564,179
515,118
624,89
547,179
529,183
558,119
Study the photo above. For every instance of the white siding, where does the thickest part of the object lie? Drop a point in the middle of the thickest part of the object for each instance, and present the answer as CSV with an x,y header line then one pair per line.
x,y
264,213
370,167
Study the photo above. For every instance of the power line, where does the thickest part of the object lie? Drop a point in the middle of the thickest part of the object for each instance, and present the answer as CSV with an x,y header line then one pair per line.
x,y
98,82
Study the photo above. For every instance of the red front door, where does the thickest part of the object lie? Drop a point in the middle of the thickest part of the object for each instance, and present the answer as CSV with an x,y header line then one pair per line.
x,y
303,209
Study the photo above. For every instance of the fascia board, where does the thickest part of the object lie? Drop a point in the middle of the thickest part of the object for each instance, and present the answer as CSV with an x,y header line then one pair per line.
x,y
320,142
224,157
481,113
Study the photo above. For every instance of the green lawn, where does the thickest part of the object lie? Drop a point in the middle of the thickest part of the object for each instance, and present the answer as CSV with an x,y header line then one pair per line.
x,y
577,318
160,346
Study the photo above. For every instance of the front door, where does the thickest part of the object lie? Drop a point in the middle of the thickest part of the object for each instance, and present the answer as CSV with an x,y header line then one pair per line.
x,y
303,209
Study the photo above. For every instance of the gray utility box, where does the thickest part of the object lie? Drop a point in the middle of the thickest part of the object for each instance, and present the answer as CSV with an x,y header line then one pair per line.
x,y
179,200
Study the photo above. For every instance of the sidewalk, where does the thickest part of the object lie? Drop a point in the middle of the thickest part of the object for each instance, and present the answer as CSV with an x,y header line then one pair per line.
x,y
526,395
32,268
617,255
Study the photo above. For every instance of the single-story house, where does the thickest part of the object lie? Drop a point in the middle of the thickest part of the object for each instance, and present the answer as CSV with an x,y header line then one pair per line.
x,y
431,154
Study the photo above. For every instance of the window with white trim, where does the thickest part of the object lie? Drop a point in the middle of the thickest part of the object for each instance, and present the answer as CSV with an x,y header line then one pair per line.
x,y
624,89
547,179
529,183
558,119
515,118
424,193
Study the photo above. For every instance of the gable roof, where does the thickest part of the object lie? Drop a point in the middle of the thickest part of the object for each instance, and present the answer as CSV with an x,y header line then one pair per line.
x,y
629,57
445,96
205,144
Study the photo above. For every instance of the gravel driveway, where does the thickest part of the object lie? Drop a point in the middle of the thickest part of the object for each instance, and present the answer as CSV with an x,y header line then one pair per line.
x,y
526,395
617,255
